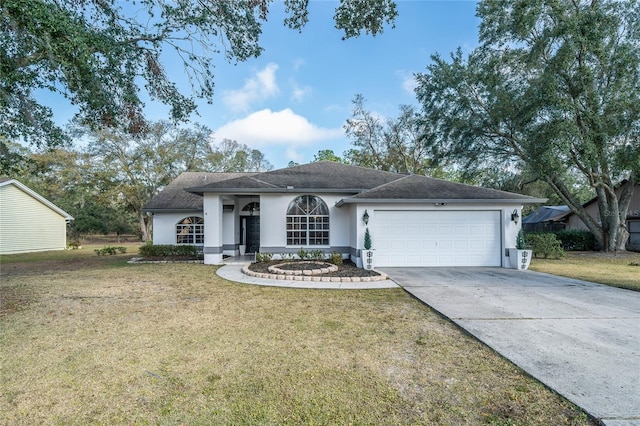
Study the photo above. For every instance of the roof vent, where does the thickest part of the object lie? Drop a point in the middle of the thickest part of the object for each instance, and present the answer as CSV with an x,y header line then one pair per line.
x,y
289,186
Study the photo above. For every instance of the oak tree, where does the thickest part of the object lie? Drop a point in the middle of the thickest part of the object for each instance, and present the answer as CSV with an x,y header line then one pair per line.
x,y
107,56
553,89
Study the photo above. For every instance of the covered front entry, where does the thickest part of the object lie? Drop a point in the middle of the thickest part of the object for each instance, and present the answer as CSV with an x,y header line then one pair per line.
x,y
251,233
437,238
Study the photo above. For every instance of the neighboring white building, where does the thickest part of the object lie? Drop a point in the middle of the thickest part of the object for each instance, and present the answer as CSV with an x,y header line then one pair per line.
x,y
413,220
28,221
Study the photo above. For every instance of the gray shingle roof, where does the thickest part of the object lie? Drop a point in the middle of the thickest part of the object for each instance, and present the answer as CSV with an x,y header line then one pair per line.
x,y
358,184
174,196
417,187
323,175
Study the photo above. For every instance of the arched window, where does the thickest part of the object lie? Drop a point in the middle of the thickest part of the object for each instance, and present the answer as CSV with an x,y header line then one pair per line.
x,y
251,208
307,222
190,230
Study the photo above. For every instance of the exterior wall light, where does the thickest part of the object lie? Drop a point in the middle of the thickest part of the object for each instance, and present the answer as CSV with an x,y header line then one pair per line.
x,y
515,216
365,217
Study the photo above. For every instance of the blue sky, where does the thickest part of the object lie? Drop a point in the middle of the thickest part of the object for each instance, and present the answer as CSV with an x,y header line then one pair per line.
x,y
294,99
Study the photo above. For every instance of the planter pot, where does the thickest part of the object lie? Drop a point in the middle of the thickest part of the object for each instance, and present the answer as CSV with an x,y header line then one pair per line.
x,y
243,249
367,259
519,259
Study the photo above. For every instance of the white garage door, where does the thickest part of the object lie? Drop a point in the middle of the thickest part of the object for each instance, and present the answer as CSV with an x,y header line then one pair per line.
x,y
437,238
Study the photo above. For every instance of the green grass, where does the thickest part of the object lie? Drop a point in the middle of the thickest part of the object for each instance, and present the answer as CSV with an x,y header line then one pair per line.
x,y
621,270
85,342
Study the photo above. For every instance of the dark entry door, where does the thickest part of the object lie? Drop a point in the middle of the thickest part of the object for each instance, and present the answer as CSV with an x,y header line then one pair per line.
x,y
252,237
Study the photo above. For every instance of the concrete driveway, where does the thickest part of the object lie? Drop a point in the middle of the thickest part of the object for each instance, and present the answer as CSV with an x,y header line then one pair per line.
x,y
579,338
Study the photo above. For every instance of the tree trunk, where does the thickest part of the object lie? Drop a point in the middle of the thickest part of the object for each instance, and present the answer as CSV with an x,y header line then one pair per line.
x,y
611,233
145,226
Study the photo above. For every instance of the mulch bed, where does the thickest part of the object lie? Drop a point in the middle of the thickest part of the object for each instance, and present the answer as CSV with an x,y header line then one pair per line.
x,y
347,269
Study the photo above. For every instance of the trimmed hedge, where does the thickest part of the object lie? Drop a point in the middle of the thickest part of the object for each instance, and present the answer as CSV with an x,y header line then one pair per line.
x,y
108,250
570,240
574,240
167,250
545,245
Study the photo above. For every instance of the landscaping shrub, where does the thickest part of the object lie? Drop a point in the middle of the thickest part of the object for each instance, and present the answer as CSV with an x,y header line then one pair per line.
x,y
110,250
263,257
335,258
574,240
367,239
521,242
316,255
303,254
162,250
545,245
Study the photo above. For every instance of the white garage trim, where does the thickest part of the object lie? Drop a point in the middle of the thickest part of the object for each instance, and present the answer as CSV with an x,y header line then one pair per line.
x,y
437,238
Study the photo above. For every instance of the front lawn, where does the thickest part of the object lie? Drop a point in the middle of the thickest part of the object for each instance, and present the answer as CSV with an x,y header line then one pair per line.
x,y
93,340
618,270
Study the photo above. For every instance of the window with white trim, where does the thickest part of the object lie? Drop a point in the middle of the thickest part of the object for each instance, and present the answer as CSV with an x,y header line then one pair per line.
x,y
308,222
190,230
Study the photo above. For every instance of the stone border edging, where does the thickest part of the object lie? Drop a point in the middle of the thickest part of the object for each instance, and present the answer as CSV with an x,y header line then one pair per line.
x,y
316,278
283,276
329,268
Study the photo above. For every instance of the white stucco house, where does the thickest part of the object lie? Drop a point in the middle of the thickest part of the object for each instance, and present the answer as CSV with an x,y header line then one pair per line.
x,y
28,221
413,220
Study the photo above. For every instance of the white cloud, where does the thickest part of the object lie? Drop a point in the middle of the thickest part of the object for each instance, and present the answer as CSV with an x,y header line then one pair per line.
x,y
299,93
298,63
292,155
409,85
408,82
261,86
267,128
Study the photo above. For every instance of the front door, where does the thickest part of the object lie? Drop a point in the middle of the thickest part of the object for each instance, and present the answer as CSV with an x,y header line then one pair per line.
x,y
252,233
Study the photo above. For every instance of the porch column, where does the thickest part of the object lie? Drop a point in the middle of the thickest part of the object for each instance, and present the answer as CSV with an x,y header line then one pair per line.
x,y
212,206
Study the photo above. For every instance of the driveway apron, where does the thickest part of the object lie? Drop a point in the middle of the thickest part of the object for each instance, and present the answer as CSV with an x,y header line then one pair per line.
x,y
579,338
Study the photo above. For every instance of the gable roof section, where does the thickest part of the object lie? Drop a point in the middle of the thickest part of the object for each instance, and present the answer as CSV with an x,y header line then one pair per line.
x,y
36,196
322,176
174,197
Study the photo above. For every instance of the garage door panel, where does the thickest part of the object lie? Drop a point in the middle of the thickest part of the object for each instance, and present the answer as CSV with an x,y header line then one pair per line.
x,y
437,238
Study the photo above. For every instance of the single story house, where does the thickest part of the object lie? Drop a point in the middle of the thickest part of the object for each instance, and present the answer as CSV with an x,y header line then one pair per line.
x,y
633,215
413,220
28,221
546,219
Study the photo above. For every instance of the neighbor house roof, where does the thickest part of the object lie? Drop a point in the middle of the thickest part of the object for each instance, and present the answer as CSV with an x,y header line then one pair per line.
x,y
547,214
35,195
365,185
174,197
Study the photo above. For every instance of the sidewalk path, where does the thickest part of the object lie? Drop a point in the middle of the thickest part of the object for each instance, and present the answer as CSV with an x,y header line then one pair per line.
x,y
233,272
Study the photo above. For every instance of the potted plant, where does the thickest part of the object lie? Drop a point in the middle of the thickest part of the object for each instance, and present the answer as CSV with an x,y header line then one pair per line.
x,y
520,257
367,253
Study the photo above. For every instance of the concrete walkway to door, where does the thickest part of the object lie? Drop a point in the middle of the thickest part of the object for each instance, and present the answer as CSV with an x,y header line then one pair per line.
x,y
579,338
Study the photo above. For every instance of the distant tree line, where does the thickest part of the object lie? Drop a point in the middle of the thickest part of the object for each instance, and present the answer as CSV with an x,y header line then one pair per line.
x,y
106,177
